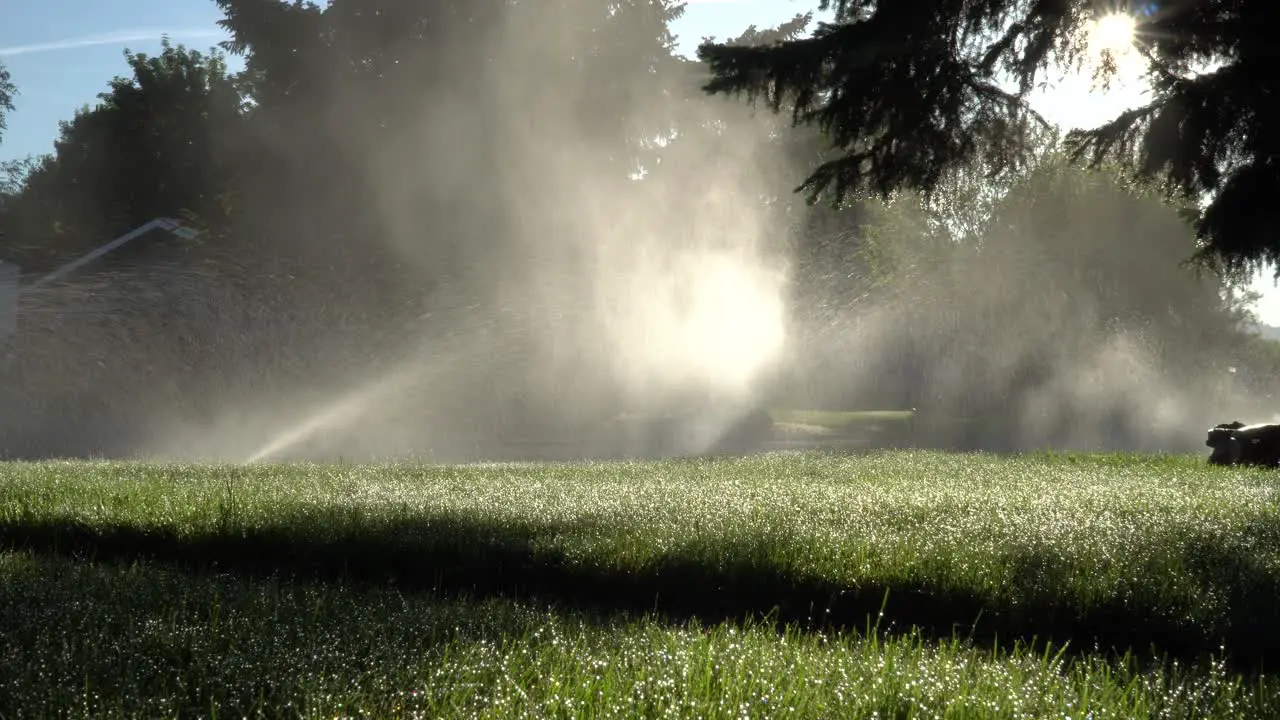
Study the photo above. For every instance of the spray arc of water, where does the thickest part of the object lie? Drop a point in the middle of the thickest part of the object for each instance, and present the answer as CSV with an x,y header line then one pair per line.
x,y
336,415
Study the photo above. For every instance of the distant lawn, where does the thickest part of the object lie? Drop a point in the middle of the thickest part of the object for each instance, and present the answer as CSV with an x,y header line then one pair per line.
x,y
839,420
1033,586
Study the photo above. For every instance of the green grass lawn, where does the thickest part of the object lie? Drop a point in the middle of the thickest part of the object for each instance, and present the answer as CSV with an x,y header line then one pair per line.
x,y
908,584
842,419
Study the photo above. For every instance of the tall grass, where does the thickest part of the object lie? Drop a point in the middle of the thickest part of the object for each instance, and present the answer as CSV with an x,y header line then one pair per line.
x,y
911,584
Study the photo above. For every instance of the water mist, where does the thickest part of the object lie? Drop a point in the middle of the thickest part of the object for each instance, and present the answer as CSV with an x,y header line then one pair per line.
x,y
570,295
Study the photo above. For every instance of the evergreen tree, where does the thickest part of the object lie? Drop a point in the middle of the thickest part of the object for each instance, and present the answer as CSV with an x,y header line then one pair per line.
x,y
912,89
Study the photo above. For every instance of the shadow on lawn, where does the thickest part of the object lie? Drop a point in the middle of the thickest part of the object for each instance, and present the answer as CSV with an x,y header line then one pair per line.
x,y
474,558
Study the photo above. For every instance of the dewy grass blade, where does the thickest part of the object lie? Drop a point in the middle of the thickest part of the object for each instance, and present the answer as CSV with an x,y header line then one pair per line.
x,y
784,585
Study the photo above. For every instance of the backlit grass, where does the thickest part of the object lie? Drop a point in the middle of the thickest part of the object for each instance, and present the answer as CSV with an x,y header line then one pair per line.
x,y
1026,587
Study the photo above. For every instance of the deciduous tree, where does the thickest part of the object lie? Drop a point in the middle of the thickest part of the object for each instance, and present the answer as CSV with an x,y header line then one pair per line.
x,y
156,144
7,92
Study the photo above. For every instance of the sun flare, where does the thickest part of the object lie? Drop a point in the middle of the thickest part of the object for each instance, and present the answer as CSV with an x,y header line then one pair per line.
x,y
1112,33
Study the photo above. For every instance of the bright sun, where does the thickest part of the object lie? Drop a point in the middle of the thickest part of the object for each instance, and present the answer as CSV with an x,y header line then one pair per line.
x,y
1113,33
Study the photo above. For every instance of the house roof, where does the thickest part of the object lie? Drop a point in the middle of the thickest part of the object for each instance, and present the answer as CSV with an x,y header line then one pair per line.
x,y
170,225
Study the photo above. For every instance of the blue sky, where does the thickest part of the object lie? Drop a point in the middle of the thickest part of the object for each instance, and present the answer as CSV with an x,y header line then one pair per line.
x,y
61,53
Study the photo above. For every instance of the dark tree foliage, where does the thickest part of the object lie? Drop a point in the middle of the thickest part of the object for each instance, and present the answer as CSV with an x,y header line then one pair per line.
x,y
912,89
13,177
7,91
154,145
362,71
899,89
344,79
1212,127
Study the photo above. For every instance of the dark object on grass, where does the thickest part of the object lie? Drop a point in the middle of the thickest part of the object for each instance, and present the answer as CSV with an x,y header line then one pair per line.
x,y
1235,443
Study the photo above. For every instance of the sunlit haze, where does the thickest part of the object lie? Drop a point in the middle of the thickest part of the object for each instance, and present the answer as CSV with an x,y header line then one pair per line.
x,y
1112,33
534,294
61,56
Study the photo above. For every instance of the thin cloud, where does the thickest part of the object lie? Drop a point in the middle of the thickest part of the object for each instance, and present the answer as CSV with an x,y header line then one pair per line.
x,y
118,37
